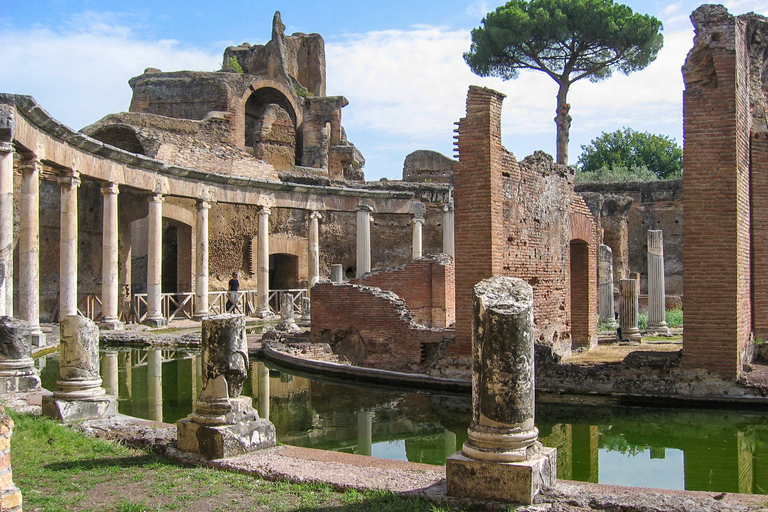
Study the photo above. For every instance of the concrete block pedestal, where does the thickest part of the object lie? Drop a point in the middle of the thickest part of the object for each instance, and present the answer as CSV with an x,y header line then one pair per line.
x,y
104,406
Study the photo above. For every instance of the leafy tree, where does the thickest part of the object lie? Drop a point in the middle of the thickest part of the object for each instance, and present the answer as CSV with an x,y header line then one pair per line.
x,y
566,39
627,148
616,174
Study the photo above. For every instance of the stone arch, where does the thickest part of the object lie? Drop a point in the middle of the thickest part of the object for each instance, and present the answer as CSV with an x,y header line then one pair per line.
x,y
288,255
121,136
270,125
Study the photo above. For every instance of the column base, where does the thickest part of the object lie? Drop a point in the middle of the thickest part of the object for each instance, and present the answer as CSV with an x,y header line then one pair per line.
x,y
155,322
37,339
661,329
198,317
67,411
265,314
516,482
15,383
111,325
632,334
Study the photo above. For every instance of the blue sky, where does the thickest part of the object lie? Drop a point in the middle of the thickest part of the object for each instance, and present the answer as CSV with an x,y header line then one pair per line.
x,y
398,63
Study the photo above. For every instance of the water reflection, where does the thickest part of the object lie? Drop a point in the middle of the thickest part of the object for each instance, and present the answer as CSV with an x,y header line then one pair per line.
x,y
708,450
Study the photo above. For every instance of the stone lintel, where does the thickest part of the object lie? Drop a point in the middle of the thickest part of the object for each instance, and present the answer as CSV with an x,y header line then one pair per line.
x,y
222,441
67,411
516,482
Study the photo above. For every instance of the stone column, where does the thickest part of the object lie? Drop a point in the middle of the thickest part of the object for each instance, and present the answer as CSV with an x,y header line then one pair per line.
x,y
337,273
628,309
657,311
79,395
605,274
201,263
313,250
17,368
155,262
69,182
502,459
262,274
418,210
306,309
224,424
364,220
110,290
287,318
6,229
29,250
448,230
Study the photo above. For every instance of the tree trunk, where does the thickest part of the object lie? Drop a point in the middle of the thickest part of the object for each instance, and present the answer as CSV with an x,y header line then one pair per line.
x,y
563,121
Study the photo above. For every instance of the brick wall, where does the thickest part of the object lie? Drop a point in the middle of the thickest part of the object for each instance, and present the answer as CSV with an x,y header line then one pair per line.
x,y
717,248
10,495
425,284
373,328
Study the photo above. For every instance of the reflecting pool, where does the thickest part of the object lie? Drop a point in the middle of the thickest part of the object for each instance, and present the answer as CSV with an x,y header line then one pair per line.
x,y
693,449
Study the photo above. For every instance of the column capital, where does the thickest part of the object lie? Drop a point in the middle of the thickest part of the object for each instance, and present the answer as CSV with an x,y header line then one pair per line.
x,y
448,207
108,189
69,177
265,210
29,164
364,208
312,215
6,147
154,197
418,220
203,204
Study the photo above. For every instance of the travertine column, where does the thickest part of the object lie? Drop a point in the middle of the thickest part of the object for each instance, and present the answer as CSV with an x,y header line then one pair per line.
x,y
6,229
628,309
313,251
17,369
29,250
605,271
201,265
262,274
448,229
155,262
68,244
79,395
657,311
418,223
503,441
364,220
155,383
337,273
109,255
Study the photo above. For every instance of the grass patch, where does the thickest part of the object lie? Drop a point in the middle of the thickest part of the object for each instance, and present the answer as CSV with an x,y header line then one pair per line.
x,y
57,469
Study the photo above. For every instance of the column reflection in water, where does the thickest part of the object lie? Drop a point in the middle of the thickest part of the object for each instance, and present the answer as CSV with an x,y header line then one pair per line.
x,y
155,383
109,371
364,431
194,380
450,442
261,387
126,368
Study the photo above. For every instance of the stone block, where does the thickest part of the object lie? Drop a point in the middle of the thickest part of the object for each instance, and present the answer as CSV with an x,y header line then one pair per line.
x,y
221,441
67,411
16,383
516,482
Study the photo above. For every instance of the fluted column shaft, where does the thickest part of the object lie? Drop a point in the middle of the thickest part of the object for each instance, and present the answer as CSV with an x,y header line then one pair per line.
x,y
364,220
6,229
68,244
448,230
418,223
155,261
657,311
628,309
29,249
313,251
109,257
605,274
201,265
262,275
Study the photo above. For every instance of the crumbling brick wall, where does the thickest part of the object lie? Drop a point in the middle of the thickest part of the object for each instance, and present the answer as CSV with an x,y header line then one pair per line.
x,y
373,328
514,218
425,284
722,75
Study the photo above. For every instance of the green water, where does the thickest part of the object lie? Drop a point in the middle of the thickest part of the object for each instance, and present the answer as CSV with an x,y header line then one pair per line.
x,y
703,450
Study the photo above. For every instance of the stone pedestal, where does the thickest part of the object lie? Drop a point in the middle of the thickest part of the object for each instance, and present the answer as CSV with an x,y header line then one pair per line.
x,y
605,275
657,311
17,368
287,321
337,274
502,459
628,309
79,395
224,424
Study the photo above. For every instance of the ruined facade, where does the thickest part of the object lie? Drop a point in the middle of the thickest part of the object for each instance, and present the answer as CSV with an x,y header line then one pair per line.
x,y
428,167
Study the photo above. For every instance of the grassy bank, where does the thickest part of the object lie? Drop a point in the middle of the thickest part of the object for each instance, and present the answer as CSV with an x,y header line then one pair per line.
x,y
57,469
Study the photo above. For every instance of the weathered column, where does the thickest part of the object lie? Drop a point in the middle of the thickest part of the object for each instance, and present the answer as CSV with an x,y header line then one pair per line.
x,y
6,229
17,368
110,371
29,250
313,249
201,263
502,459
418,210
69,181
155,262
110,290
605,274
337,273
287,321
364,431
79,395
628,309
262,274
155,383
657,311
448,230
262,373
224,424
364,220
306,309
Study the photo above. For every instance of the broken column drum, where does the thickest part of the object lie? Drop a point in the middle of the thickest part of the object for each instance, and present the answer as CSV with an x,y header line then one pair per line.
x,y
628,309
287,318
78,394
503,458
17,369
605,271
224,424
657,311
